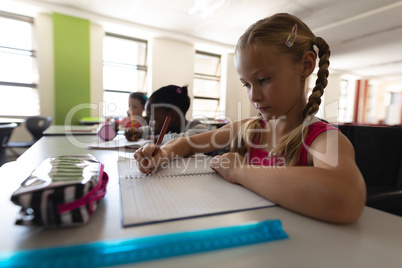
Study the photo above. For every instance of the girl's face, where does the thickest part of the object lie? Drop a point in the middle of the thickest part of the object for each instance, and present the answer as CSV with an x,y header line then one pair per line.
x,y
273,81
156,117
135,106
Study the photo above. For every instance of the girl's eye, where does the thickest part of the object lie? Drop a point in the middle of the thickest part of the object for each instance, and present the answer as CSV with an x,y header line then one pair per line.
x,y
264,80
246,85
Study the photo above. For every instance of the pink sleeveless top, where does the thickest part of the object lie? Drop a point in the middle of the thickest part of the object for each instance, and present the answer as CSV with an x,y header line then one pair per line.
x,y
260,157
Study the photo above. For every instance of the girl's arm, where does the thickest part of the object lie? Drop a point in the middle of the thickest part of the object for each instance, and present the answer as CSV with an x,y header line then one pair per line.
x,y
332,189
194,129
185,146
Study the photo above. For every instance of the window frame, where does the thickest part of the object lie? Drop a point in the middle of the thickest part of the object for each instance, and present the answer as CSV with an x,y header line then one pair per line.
x,y
209,77
32,52
137,67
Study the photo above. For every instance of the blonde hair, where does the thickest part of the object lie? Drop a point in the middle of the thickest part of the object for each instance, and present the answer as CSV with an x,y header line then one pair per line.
x,y
274,31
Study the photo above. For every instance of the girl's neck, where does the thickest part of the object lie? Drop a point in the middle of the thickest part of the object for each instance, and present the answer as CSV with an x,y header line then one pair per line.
x,y
283,126
277,129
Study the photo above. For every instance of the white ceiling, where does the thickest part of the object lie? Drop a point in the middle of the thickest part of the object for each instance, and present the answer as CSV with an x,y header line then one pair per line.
x,y
365,36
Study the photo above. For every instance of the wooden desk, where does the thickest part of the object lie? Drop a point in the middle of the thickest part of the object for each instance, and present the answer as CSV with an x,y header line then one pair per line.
x,y
375,240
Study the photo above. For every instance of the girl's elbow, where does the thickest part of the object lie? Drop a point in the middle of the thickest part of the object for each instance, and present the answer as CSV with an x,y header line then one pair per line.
x,y
352,201
350,215
349,210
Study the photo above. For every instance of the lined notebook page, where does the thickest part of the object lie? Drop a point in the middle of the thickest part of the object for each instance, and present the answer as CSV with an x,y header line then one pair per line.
x,y
118,142
158,198
193,165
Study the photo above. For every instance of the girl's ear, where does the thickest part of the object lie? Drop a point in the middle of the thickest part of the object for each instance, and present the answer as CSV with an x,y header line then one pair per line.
x,y
308,64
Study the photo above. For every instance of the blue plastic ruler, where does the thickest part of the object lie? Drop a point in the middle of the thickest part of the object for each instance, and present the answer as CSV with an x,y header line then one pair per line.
x,y
115,252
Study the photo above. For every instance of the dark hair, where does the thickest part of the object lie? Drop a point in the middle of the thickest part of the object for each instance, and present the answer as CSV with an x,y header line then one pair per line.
x,y
173,95
139,96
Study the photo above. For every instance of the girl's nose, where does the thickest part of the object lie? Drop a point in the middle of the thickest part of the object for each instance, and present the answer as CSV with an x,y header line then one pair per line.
x,y
255,94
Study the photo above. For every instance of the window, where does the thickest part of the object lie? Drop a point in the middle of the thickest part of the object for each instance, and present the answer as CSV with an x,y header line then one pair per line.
x,y
207,71
18,70
124,71
346,102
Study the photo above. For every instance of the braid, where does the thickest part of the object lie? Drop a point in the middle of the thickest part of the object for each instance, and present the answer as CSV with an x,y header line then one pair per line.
x,y
291,145
314,100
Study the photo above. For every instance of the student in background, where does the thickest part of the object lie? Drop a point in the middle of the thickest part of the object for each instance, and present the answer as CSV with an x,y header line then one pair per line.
x,y
173,101
286,154
136,107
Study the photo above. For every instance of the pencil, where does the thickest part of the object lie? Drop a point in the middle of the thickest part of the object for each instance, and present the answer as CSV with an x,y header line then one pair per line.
x,y
132,121
161,135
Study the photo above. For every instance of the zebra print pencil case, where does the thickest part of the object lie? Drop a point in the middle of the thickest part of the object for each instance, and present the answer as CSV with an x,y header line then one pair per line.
x,y
62,191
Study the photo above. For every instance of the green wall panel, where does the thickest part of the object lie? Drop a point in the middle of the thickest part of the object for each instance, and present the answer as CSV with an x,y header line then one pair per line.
x,y
71,67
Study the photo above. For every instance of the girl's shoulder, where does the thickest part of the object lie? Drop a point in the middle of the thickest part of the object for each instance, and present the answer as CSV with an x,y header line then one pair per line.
x,y
317,139
317,128
320,126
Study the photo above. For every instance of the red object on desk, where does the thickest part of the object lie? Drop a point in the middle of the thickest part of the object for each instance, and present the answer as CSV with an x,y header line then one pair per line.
x,y
126,123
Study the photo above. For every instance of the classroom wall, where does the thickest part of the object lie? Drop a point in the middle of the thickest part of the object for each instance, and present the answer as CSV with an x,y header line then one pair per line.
x,y
72,77
44,41
96,66
238,105
171,63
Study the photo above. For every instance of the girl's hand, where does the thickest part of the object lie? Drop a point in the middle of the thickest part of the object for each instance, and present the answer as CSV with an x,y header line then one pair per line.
x,y
130,136
148,163
228,165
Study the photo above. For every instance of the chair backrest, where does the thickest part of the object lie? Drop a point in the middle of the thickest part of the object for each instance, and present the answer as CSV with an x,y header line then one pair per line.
x,y
37,124
378,152
5,132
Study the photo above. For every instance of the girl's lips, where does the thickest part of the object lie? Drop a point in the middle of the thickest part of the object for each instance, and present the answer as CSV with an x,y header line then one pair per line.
x,y
261,109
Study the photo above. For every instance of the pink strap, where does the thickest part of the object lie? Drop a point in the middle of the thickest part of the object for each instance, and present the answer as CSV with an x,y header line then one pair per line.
x,y
314,130
95,194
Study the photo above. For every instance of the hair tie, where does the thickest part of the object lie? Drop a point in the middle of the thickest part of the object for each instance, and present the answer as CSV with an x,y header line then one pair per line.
x,y
314,40
178,90
291,37
304,122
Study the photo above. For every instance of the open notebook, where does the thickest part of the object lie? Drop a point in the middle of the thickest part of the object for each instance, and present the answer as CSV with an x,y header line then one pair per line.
x,y
183,188
118,142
